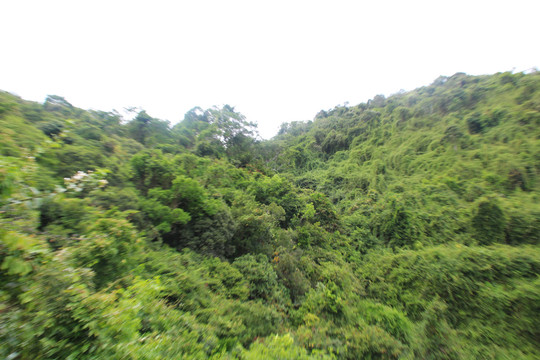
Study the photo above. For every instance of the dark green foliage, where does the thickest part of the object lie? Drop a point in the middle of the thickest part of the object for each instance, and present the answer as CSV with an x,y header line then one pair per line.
x,y
288,265
523,227
51,129
213,235
474,123
71,215
260,275
334,142
488,222
74,158
113,197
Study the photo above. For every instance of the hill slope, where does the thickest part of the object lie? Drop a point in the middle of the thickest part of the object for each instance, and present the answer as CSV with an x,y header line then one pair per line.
x,y
429,161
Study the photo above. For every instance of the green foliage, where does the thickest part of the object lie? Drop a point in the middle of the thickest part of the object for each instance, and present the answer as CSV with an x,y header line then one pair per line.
x,y
488,222
110,249
218,132
288,264
69,215
152,169
471,280
8,179
279,191
389,319
278,347
161,215
149,131
396,225
261,276
405,227
438,340
523,224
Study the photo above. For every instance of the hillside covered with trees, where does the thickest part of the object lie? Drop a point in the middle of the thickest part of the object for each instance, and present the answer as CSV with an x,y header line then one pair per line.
x,y
406,227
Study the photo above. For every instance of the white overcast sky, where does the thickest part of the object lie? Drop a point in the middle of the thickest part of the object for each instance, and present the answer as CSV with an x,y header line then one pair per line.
x,y
275,61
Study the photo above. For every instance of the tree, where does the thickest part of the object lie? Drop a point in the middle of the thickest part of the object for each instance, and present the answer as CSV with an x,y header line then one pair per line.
x,y
149,131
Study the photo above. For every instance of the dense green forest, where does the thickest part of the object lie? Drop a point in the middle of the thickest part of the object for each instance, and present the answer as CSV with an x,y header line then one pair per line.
x,y
406,227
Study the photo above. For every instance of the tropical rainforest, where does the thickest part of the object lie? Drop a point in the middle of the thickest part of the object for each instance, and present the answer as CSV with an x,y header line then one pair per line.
x,y
407,227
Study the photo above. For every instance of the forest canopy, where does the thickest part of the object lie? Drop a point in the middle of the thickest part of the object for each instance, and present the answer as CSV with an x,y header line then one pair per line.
x,y
405,227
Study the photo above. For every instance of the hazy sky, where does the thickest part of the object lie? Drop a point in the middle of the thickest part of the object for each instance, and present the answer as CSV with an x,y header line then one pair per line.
x,y
275,61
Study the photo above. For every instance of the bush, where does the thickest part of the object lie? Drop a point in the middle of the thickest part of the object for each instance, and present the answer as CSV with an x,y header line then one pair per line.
x,y
488,222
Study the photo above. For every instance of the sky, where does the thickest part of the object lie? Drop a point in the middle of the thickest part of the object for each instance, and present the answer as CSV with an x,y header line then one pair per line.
x,y
274,61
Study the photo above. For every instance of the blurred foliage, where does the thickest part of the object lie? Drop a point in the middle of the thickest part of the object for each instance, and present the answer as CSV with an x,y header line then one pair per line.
x,y
405,227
